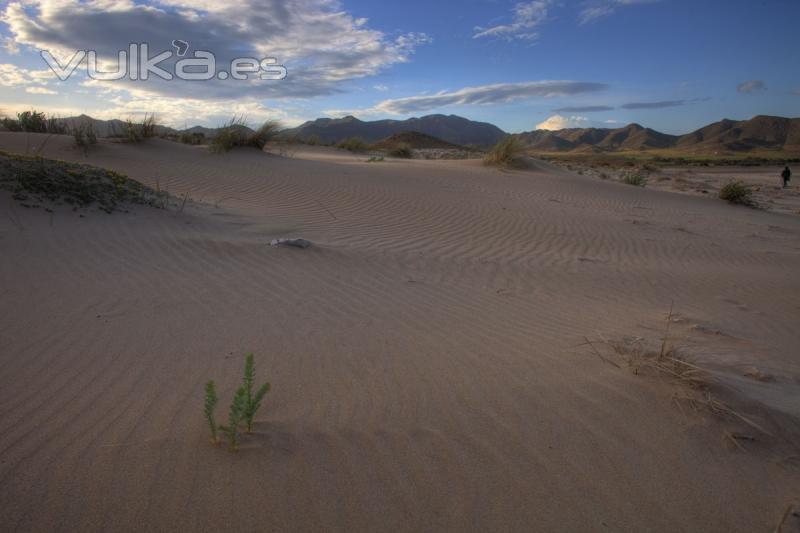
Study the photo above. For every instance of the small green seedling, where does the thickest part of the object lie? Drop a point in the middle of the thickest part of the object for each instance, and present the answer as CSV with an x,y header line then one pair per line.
x,y
253,401
210,405
235,416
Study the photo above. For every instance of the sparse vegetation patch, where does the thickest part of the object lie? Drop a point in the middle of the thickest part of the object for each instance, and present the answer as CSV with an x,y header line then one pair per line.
x,y
34,180
736,192
505,153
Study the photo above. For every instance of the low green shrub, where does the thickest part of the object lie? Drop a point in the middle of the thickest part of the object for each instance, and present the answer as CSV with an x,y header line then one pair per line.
x,y
353,144
736,192
402,150
637,180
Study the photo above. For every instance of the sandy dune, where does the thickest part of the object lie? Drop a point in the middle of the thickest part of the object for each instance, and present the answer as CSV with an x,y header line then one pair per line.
x,y
422,354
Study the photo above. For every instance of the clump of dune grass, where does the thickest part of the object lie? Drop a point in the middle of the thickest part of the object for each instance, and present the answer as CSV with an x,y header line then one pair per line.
x,y
506,153
138,131
353,144
635,179
268,131
403,150
375,159
84,135
736,192
313,140
209,406
233,133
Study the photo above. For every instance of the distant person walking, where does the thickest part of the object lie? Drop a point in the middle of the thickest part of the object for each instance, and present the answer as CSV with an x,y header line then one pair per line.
x,y
787,176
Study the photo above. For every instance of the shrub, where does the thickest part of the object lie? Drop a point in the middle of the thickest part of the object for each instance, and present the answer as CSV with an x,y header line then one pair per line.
x,y
235,416
195,138
265,133
210,405
402,150
636,180
253,400
505,153
84,135
353,144
313,140
136,132
737,192
9,124
32,121
232,133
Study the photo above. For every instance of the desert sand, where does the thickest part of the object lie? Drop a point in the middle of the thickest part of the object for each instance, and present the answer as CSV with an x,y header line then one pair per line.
x,y
425,354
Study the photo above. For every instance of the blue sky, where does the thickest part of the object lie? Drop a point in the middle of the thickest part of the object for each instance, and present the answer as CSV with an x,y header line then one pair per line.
x,y
673,65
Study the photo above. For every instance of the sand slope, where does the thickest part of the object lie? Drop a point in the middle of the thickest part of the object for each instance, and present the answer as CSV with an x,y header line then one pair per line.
x,y
422,354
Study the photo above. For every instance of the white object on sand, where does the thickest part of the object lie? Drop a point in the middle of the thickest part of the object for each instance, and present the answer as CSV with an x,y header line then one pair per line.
x,y
297,243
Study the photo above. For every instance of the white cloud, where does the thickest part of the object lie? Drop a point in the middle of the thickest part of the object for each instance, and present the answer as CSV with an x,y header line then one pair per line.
x,y
499,93
320,44
558,122
39,90
597,9
526,16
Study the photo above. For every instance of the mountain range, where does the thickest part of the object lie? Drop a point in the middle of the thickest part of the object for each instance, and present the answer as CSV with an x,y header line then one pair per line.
x,y
726,136
449,128
760,133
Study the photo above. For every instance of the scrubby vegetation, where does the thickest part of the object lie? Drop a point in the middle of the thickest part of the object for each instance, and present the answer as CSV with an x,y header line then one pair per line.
x,y
84,135
265,133
210,406
402,150
313,140
137,132
236,133
635,179
243,408
736,192
34,122
353,144
505,153
35,180
194,139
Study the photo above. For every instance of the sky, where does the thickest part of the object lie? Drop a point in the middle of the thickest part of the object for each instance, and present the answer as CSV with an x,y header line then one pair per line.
x,y
672,65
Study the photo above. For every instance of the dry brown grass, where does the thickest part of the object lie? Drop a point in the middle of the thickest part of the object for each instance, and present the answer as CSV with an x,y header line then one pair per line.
x,y
506,153
699,388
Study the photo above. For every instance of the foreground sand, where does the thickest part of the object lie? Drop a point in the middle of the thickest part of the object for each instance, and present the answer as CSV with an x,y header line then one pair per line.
x,y
422,354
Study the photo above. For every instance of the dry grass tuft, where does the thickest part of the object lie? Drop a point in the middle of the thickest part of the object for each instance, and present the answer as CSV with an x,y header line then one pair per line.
x,y
666,360
506,153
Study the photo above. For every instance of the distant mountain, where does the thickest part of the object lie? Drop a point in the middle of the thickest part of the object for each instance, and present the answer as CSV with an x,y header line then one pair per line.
x,y
415,140
450,128
726,136
116,127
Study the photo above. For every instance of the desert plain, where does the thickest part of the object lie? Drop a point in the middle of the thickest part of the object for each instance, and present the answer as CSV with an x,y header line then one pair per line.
x,y
441,359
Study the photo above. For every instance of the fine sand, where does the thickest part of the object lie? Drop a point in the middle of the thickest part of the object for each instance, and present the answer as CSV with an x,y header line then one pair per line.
x,y
424,354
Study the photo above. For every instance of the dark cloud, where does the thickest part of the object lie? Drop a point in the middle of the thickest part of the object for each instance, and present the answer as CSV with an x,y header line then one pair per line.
x,y
751,86
584,109
654,105
319,43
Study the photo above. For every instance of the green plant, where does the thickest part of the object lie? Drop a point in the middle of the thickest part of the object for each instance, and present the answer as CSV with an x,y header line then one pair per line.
x,y
84,135
313,140
637,180
9,124
235,416
253,400
401,150
375,159
737,192
505,153
210,405
353,144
